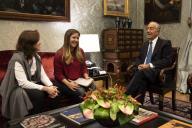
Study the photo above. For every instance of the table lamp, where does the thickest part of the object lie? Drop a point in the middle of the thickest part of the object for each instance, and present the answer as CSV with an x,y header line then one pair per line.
x,y
89,43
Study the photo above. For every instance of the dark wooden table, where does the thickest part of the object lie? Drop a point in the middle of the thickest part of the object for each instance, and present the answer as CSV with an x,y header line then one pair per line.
x,y
62,123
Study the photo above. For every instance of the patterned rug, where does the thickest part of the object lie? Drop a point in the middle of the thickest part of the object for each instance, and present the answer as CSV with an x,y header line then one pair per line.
x,y
182,107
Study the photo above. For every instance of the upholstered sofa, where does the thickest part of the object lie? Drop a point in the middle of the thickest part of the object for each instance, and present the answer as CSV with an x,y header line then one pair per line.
x,y
47,61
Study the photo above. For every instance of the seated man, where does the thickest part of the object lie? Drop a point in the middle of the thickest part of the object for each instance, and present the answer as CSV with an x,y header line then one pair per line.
x,y
154,56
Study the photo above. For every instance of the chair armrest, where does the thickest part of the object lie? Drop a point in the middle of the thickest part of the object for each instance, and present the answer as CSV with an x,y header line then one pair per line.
x,y
130,71
130,68
162,75
189,80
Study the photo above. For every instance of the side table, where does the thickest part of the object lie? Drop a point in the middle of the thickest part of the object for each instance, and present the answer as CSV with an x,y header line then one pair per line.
x,y
104,77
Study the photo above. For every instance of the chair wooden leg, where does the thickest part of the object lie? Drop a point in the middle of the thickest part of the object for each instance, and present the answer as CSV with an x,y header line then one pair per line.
x,y
191,109
173,100
161,97
190,99
151,98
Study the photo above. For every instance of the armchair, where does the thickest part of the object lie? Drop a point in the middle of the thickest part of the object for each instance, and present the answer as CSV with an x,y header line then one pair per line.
x,y
166,83
189,86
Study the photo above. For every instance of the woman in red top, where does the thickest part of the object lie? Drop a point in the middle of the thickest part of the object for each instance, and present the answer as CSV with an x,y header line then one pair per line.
x,y
69,65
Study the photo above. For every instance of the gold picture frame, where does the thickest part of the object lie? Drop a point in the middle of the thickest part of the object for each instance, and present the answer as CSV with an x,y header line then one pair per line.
x,y
116,8
58,10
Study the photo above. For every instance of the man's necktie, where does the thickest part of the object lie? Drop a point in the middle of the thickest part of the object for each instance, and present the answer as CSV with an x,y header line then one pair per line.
x,y
149,54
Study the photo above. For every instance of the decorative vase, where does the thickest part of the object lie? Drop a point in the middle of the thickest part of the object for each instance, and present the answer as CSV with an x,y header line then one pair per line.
x,y
108,122
129,23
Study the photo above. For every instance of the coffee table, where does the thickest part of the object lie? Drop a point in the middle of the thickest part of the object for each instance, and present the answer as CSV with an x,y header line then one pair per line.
x,y
62,123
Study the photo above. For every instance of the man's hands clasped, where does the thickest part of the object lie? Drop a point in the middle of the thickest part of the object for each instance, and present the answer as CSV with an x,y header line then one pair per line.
x,y
143,66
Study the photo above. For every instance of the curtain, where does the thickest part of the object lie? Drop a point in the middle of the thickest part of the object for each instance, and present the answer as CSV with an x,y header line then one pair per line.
x,y
185,65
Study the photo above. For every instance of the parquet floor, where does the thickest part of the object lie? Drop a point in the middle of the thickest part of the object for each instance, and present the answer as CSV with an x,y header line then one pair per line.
x,y
179,96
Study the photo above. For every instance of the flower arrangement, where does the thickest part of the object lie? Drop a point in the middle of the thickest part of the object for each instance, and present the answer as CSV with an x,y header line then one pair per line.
x,y
110,106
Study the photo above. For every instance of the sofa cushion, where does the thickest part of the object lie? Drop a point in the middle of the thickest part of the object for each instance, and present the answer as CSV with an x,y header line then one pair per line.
x,y
47,62
5,56
46,57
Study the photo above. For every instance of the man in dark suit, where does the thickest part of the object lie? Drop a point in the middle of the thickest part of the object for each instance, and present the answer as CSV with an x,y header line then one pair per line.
x,y
155,54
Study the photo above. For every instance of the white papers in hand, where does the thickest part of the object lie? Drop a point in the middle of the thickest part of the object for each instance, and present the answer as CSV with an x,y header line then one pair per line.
x,y
84,82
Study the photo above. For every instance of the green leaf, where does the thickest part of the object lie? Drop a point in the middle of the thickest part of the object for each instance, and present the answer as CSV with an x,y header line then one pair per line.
x,y
89,103
96,106
123,119
121,102
112,90
126,109
136,110
114,110
103,103
101,113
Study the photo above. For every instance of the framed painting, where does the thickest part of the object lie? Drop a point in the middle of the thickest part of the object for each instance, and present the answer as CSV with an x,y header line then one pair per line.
x,y
37,10
163,11
115,8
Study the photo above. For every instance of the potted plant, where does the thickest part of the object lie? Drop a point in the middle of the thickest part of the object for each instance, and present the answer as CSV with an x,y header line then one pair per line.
x,y
110,107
